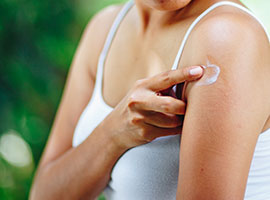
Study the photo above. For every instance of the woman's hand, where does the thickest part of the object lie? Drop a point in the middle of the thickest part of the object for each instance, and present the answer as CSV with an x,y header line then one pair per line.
x,y
145,113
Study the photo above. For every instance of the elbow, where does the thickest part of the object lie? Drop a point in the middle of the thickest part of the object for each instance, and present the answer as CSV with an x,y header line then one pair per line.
x,y
45,187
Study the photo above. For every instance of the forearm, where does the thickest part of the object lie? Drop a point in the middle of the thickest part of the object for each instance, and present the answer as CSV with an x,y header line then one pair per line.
x,y
80,171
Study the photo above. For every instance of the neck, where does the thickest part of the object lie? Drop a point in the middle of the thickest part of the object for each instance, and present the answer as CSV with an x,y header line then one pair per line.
x,y
150,18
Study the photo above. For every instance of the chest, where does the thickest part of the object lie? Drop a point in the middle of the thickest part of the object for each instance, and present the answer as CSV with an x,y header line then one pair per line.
x,y
131,58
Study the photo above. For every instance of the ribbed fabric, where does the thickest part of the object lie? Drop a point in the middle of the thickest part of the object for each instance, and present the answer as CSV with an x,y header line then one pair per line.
x,y
150,171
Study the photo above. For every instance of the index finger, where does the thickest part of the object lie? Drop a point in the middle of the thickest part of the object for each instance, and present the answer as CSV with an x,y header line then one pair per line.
x,y
169,78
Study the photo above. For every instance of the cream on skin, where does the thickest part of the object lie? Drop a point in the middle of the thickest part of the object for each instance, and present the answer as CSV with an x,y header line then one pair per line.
x,y
211,74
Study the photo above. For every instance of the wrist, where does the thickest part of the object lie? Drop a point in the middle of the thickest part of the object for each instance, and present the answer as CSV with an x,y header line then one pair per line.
x,y
111,139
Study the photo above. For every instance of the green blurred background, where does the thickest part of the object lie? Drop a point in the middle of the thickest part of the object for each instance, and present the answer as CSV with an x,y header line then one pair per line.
x,y
37,43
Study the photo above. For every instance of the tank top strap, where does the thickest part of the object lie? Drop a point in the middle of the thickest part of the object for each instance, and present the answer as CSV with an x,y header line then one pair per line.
x,y
201,16
108,42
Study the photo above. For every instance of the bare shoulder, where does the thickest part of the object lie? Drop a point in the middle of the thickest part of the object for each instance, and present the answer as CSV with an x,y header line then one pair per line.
x,y
229,30
102,21
95,34
238,44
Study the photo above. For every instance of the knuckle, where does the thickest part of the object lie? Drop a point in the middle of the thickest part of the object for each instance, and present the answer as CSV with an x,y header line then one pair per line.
x,y
139,83
132,101
166,105
136,120
165,76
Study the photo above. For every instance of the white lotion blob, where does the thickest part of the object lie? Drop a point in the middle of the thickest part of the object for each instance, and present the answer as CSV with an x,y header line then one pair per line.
x,y
211,73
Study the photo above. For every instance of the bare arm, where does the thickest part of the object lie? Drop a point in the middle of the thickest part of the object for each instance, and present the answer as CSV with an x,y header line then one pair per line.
x,y
141,116
63,168
224,119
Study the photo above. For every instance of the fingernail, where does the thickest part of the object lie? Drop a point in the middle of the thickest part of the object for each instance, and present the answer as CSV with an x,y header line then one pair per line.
x,y
195,71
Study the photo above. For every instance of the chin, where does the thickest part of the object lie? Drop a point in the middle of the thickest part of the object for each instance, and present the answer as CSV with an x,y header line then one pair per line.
x,y
166,5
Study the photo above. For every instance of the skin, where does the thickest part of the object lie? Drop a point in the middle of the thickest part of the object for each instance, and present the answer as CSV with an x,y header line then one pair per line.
x,y
224,139
215,154
61,166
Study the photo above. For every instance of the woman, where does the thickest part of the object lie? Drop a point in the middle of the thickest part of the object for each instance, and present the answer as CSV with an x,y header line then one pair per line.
x,y
126,139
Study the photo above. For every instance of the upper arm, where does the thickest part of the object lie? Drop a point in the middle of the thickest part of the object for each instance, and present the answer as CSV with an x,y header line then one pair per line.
x,y
79,84
223,120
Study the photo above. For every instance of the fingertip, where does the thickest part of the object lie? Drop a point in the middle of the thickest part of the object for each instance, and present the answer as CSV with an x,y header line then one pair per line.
x,y
195,71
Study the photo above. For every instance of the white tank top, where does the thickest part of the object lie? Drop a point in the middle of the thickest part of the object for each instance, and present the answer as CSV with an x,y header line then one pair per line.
x,y
150,171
